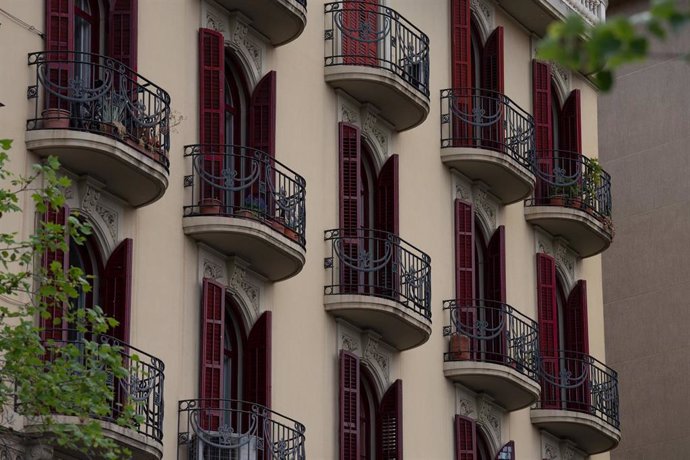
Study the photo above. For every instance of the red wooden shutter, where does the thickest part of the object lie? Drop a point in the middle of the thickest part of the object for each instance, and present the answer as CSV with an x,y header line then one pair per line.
x,y
541,101
360,25
212,352
257,362
50,329
492,80
349,406
465,438
116,288
570,134
464,252
351,212
212,112
495,293
262,115
122,32
548,327
386,219
461,50
389,428
507,452
576,344
59,37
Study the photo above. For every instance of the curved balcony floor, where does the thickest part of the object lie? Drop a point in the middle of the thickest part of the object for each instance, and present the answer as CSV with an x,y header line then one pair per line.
x,y
589,432
281,21
268,251
126,172
585,233
398,325
506,178
509,388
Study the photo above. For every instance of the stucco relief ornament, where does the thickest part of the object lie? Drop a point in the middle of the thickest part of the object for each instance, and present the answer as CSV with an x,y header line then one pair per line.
x,y
566,259
487,414
551,452
373,354
110,218
568,453
486,207
465,407
91,198
212,270
241,39
463,193
214,23
348,343
238,282
349,115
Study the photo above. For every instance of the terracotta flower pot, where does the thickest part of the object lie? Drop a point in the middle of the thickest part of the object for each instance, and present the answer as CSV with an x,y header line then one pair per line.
x,y
277,226
290,233
459,347
209,206
55,118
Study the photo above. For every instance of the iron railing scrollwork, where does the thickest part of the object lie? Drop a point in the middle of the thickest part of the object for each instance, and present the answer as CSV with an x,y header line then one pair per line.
x,y
571,179
579,382
239,181
142,387
238,430
377,263
367,34
492,332
472,117
94,93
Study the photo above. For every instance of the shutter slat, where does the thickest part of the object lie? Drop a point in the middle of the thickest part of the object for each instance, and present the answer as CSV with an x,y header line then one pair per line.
x,y
262,115
465,438
59,26
576,344
257,362
122,33
570,135
541,101
464,252
461,60
389,429
492,80
386,219
351,212
116,288
349,406
548,326
495,293
359,44
50,329
212,352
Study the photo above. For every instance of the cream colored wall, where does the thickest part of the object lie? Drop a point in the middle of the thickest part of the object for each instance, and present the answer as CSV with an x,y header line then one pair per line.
x,y
165,313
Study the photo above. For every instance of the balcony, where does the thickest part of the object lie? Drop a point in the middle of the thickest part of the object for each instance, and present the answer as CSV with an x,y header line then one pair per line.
x,y
142,388
280,21
232,429
101,119
378,57
573,200
493,348
243,202
536,15
488,137
378,281
579,401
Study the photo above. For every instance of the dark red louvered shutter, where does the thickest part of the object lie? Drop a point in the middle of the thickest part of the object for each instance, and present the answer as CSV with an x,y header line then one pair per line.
x,y
349,406
351,212
465,309
359,39
389,424
570,135
262,115
541,102
212,113
386,220
461,61
116,288
122,32
576,345
548,328
507,452
465,438
495,294
212,353
257,362
492,81
50,328
59,26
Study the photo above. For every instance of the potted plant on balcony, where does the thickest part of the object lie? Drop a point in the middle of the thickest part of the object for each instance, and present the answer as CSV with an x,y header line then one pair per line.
x,y
291,224
574,193
112,114
253,207
558,195
210,205
592,182
55,118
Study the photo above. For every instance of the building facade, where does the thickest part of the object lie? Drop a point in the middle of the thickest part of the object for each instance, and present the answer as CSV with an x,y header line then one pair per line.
x,y
272,182
643,124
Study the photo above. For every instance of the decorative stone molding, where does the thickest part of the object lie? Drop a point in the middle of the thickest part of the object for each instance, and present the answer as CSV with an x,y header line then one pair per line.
x,y
484,13
377,134
212,265
465,407
241,286
554,448
486,207
213,270
551,452
377,357
566,259
349,343
90,199
103,212
373,353
490,419
481,409
562,77
110,219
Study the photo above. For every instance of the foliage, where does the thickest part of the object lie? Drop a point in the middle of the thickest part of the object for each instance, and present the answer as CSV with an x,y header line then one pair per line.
x,y
44,378
599,50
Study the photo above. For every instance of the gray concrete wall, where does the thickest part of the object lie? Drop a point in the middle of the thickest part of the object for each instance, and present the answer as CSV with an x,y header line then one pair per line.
x,y
644,139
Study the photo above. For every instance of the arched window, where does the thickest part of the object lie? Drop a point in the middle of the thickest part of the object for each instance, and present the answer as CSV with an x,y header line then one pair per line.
x,y
368,414
235,343
86,257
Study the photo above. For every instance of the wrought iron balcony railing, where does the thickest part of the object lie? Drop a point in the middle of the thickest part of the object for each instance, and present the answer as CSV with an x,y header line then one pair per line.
x,y
572,180
142,387
93,93
472,117
238,430
578,382
368,34
377,263
492,332
239,181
